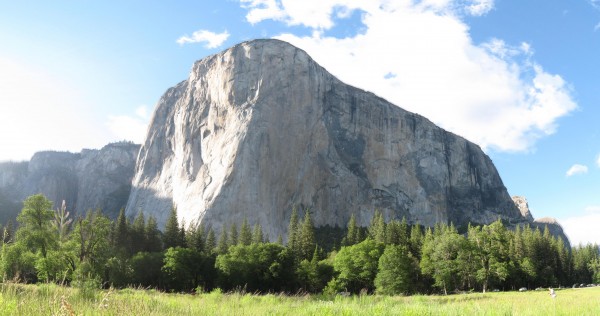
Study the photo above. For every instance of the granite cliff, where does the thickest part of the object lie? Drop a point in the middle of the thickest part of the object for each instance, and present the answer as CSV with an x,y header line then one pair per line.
x,y
260,128
88,180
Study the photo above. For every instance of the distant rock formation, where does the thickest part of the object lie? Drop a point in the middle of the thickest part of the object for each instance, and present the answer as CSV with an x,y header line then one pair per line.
x,y
523,206
88,180
260,128
541,223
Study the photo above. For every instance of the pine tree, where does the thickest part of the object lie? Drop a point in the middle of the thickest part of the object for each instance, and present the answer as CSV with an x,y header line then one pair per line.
x,y
210,241
138,233
353,232
152,234
233,235
293,230
306,238
223,243
245,234
377,227
121,233
172,235
257,234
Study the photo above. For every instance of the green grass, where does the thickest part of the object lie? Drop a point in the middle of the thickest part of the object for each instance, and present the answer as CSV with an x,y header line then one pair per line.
x,y
48,299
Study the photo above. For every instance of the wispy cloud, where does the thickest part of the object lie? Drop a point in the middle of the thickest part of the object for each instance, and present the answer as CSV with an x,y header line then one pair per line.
x,y
577,169
211,39
598,161
492,93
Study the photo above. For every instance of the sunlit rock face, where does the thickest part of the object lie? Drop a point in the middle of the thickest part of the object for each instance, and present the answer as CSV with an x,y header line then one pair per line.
x,y
260,128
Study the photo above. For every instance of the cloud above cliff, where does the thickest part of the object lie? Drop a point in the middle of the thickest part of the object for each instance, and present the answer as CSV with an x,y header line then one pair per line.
x,y
210,39
419,55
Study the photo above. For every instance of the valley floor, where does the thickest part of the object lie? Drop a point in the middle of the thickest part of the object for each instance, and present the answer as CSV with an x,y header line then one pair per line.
x,y
45,299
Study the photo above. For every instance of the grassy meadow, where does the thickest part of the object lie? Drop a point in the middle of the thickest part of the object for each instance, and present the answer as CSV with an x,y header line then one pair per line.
x,y
47,299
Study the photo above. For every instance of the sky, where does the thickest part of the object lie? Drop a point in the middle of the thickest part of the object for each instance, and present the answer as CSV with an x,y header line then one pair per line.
x,y
518,78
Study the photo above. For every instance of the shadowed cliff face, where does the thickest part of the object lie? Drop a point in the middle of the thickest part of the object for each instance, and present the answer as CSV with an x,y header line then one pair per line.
x,y
261,128
88,180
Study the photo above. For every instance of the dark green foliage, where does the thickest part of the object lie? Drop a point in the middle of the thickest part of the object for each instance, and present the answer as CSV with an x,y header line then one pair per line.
x,y
182,268
396,258
172,233
152,236
259,267
397,271
211,241
223,243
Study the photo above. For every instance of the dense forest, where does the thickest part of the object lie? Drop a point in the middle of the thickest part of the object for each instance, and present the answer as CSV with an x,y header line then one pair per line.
x,y
48,245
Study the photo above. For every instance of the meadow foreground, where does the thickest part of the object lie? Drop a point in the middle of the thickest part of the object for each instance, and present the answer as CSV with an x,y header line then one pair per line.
x,y
18,299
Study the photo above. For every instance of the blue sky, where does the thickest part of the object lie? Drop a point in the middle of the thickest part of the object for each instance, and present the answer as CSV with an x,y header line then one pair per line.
x,y
515,77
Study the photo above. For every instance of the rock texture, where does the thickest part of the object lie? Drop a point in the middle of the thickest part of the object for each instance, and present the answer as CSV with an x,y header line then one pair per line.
x,y
88,180
261,128
541,223
523,206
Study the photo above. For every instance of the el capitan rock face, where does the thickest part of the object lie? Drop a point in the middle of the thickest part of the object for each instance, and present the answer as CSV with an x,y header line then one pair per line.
x,y
261,128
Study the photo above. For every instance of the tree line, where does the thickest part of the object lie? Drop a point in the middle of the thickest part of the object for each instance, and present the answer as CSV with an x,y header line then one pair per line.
x,y
385,258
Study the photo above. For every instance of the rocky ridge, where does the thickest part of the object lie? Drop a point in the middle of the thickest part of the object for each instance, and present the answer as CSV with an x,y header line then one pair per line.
x,y
88,180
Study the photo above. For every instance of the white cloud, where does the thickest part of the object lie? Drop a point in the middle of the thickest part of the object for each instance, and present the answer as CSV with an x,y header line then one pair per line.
x,y
480,7
493,93
598,161
212,40
582,229
577,169
40,112
127,127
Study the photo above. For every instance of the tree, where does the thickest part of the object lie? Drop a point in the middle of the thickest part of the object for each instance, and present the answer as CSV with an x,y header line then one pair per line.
x,y
172,235
396,271
152,234
357,266
211,241
293,231
138,233
182,268
257,234
121,234
35,228
222,244
377,227
489,245
233,235
257,267
245,234
306,238
90,243
442,255
353,232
